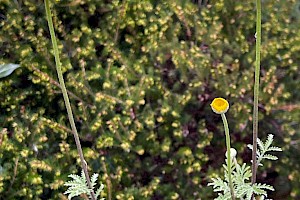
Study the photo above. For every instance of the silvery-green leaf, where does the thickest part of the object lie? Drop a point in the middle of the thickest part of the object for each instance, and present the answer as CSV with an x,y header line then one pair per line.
x,y
274,149
261,145
269,141
270,157
250,146
7,69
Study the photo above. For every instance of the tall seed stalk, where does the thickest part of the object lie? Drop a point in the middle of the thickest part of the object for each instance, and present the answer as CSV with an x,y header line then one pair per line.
x,y
256,90
66,98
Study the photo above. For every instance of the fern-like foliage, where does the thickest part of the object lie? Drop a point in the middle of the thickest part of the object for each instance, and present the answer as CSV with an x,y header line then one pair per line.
x,y
79,186
245,191
221,187
264,148
241,175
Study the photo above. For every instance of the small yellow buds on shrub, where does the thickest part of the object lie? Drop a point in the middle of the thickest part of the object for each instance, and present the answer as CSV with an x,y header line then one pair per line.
x,y
219,105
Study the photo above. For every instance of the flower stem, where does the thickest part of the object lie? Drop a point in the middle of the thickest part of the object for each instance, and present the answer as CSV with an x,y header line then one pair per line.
x,y
256,90
66,98
228,155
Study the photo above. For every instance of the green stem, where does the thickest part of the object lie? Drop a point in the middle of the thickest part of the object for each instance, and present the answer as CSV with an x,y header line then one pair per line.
x,y
66,98
228,154
256,90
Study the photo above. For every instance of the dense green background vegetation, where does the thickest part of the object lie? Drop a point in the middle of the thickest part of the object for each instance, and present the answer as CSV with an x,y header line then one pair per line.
x,y
141,76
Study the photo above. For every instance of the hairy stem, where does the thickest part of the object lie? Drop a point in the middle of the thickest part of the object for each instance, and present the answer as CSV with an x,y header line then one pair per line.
x,y
228,154
66,98
256,90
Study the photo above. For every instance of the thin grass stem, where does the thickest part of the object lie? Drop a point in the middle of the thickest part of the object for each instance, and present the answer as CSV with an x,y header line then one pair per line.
x,y
256,90
66,97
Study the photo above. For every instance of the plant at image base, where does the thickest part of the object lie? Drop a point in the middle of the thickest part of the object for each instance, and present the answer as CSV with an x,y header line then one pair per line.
x,y
140,76
237,183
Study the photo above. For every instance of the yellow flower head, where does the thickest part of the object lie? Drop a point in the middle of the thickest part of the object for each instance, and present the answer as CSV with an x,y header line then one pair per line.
x,y
219,105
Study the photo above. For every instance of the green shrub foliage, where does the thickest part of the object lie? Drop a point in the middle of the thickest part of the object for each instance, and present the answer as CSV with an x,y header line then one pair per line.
x,y
141,75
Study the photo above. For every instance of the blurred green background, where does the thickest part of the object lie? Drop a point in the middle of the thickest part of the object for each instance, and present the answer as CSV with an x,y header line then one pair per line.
x,y
141,76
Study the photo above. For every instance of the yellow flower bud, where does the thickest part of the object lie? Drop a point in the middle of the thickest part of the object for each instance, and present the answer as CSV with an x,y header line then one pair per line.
x,y
219,105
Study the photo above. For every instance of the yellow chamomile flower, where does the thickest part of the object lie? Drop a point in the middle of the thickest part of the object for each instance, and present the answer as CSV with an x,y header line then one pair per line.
x,y
219,105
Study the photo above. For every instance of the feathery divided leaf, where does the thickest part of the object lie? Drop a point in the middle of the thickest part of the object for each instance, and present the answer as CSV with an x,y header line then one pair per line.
x,y
223,196
270,157
260,189
94,179
98,192
274,149
222,188
260,145
269,141
219,185
264,148
241,175
245,191
79,186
